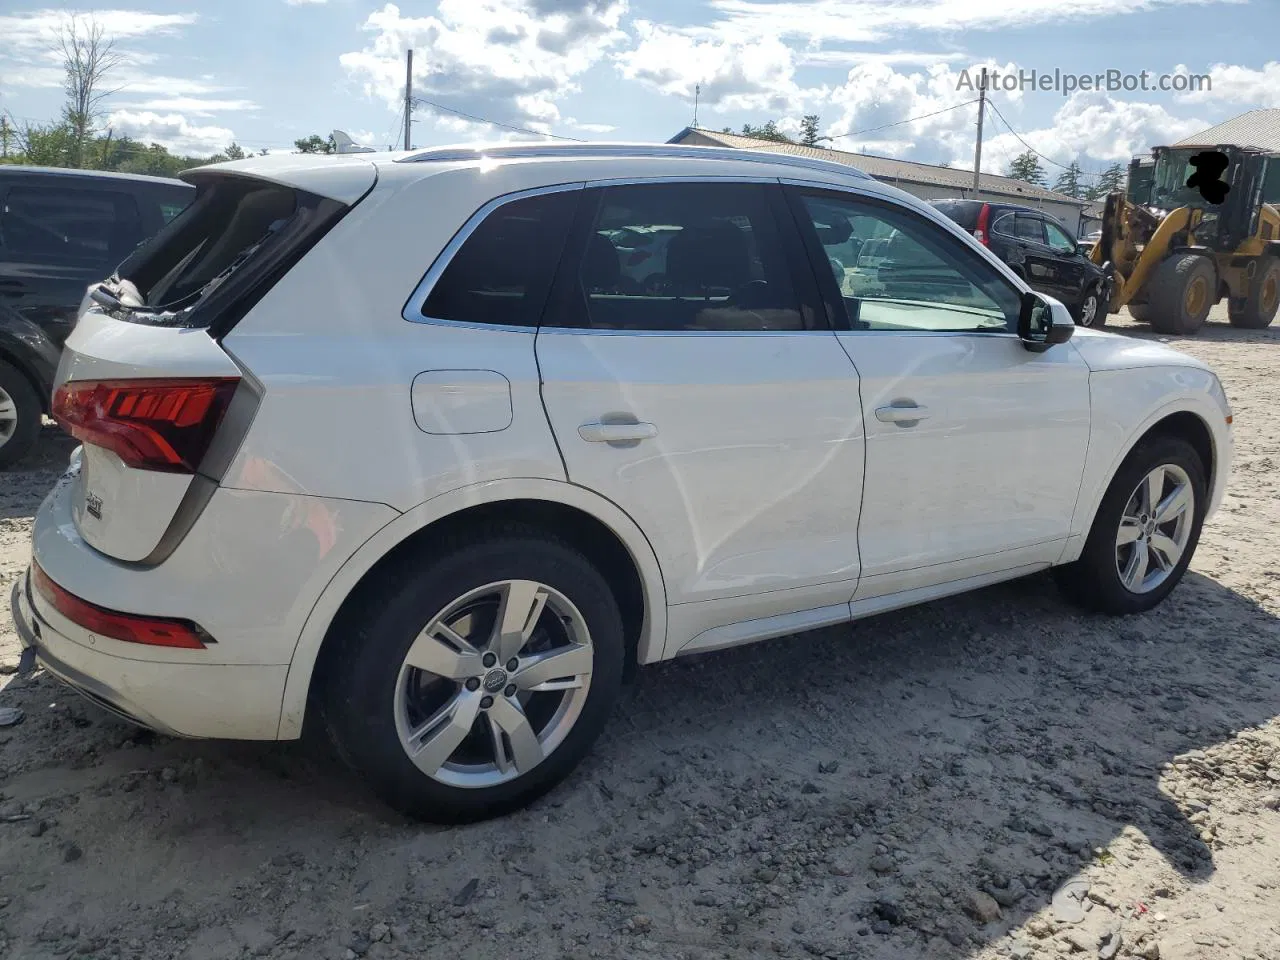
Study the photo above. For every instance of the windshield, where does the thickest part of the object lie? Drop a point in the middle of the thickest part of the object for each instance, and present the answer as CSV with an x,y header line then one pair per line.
x,y
1169,184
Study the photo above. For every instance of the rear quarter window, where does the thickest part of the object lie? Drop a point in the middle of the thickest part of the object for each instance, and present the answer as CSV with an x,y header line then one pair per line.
x,y
502,273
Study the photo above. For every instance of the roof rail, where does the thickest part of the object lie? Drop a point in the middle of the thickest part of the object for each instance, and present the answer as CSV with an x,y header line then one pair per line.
x,y
628,150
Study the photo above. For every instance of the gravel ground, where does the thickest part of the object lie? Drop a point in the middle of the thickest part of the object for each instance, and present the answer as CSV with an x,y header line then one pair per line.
x,y
992,775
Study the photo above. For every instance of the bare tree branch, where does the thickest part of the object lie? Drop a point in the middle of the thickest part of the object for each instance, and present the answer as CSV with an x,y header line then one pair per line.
x,y
88,56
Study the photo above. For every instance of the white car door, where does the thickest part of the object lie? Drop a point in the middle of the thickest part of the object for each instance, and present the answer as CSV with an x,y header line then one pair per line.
x,y
712,403
975,445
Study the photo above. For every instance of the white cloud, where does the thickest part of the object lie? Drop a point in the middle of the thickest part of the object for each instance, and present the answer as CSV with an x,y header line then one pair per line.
x,y
39,29
1236,84
191,106
306,3
504,60
862,21
734,73
591,127
171,130
1093,128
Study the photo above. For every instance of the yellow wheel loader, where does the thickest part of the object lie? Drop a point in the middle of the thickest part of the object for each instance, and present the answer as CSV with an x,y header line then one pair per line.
x,y
1172,252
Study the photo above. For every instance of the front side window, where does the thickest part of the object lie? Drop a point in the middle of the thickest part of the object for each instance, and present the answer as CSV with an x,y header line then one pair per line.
x,y
897,271
503,271
1059,239
92,228
684,256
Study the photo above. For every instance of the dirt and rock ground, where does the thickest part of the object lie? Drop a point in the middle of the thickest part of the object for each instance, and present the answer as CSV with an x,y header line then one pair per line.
x,y
989,776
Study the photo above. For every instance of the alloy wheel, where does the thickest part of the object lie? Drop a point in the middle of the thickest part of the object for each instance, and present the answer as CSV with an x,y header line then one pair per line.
x,y
493,684
1089,310
8,417
1155,528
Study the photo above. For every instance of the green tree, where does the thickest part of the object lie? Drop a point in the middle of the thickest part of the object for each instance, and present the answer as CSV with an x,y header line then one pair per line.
x,y
769,131
314,144
1026,167
1068,181
809,129
1112,179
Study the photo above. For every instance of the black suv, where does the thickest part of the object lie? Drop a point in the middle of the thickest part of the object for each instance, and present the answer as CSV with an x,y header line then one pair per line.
x,y
1040,249
60,231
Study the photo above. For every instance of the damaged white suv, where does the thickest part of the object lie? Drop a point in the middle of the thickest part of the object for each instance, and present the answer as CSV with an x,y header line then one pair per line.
x,y
399,442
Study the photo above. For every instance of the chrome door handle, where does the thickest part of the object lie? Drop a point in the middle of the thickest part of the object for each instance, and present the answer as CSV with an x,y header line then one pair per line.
x,y
617,432
903,416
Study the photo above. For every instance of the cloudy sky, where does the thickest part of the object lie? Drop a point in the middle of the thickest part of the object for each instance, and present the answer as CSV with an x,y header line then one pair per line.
x,y
264,72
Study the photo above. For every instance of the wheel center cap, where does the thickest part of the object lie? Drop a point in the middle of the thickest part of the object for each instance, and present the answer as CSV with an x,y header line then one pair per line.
x,y
494,680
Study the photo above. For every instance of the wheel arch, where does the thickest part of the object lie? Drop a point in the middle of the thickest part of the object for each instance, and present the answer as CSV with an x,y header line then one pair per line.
x,y
1188,418
598,527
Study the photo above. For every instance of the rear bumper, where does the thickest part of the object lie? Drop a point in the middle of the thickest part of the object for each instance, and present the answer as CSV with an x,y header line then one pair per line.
x,y
178,699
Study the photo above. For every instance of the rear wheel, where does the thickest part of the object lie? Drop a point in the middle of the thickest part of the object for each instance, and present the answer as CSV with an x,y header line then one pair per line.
x,y
478,680
1145,531
1259,308
19,415
1183,288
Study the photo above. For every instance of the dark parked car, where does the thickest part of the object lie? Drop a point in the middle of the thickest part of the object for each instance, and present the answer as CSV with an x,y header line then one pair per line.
x,y
1041,250
60,231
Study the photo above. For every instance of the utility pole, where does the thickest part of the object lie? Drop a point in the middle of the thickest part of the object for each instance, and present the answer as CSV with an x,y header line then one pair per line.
x,y
408,98
697,92
982,112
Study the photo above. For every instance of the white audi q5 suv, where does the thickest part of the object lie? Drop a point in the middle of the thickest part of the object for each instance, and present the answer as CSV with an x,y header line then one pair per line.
x,y
399,442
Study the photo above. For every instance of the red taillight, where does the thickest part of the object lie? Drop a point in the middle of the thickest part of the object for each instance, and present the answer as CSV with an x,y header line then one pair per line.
x,y
150,424
153,631
984,225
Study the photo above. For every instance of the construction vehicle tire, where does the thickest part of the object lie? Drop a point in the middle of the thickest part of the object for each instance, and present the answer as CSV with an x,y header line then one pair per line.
x,y
1183,288
1258,310
1140,312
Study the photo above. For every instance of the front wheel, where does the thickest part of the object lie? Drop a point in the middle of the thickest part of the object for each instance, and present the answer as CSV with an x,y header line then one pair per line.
x,y
477,680
1092,311
1259,307
1144,533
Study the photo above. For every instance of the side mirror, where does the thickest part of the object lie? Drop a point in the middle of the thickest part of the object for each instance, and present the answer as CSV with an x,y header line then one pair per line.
x,y
1043,322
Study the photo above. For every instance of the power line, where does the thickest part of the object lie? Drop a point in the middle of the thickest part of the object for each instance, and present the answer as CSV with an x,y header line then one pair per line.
x,y
1009,127
898,123
494,123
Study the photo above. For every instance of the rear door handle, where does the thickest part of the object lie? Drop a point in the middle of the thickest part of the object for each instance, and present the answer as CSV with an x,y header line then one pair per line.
x,y
903,416
598,432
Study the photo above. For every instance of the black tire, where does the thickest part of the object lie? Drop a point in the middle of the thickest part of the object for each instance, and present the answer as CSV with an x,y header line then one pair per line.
x,y
1140,312
362,676
1093,581
1099,312
1182,289
26,427
1259,308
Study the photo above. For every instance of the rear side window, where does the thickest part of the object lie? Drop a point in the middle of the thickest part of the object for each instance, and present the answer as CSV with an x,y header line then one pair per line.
x,y
502,272
1030,228
221,253
720,263
75,227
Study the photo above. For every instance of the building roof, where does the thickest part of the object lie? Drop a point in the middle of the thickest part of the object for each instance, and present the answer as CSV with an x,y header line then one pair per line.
x,y
1257,128
886,168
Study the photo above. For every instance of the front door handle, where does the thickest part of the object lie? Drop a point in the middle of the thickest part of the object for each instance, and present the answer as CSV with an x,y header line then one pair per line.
x,y
598,432
903,416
